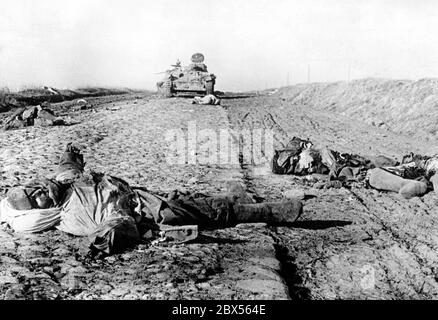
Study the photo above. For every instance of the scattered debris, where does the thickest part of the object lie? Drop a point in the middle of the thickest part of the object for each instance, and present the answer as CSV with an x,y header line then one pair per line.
x,y
113,108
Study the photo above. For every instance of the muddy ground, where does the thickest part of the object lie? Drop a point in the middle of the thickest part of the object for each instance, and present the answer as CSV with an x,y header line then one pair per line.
x,y
350,243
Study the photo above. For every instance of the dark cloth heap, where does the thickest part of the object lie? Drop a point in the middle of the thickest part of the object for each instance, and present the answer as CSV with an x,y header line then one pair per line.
x,y
300,158
414,176
41,116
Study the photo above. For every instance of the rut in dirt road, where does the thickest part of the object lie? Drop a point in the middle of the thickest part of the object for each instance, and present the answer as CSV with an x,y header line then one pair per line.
x,y
288,270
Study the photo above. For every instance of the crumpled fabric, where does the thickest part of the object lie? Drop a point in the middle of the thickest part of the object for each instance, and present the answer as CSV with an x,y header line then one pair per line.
x,y
28,221
300,158
115,234
285,160
39,194
100,209
414,165
32,116
208,99
328,158
309,162
103,211
431,166
187,209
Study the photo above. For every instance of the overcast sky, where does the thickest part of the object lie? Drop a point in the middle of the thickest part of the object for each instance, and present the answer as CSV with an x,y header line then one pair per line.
x,y
247,44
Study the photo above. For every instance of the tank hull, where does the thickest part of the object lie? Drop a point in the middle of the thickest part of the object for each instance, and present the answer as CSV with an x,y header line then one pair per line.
x,y
192,80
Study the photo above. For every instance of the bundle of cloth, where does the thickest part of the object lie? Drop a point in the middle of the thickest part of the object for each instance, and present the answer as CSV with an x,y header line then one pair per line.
x,y
40,115
115,215
414,176
208,99
299,157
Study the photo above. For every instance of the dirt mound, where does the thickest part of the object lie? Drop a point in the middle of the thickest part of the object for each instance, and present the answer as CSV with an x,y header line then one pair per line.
x,y
403,106
37,96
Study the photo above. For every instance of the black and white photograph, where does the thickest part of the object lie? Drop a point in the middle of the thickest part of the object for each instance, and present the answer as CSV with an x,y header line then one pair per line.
x,y
237,151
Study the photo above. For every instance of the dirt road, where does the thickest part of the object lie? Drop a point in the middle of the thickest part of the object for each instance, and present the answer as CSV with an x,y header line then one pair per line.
x,y
349,244
126,139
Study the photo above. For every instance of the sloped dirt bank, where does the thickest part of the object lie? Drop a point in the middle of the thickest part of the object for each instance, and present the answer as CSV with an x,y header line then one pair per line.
x,y
404,106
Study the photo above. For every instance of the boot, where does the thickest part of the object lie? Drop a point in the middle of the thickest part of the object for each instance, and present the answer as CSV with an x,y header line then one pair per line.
x,y
383,180
413,189
269,212
71,165
71,159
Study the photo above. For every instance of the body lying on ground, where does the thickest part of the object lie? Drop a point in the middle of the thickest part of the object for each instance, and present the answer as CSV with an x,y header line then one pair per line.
x,y
414,176
32,116
208,99
116,215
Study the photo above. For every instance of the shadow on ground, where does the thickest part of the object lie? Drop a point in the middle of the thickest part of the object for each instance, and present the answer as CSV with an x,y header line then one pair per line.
x,y
320,224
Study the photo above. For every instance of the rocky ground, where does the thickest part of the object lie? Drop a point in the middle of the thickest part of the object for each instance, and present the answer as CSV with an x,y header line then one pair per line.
x,y
349,243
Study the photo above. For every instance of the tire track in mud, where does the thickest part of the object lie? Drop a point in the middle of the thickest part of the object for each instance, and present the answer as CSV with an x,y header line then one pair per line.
x,y
288,270
401,260
405,240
